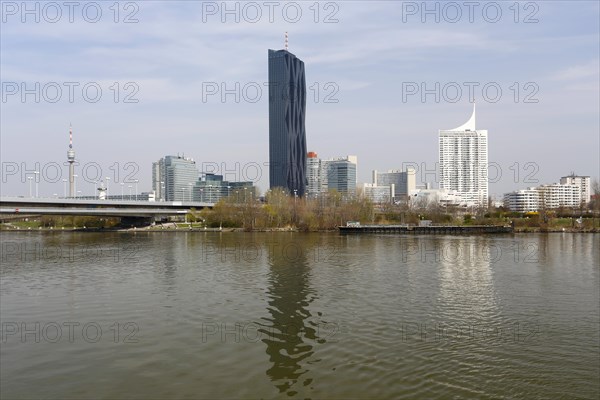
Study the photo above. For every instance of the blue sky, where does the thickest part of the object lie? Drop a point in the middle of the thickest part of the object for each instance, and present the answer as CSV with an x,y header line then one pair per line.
x,y
365,61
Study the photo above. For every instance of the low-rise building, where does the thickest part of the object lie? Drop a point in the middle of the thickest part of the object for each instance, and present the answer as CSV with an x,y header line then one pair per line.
x,y
557,195
525,200
549,196
444,197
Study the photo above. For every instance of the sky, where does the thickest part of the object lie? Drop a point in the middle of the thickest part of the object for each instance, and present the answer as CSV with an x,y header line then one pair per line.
x,y
139,80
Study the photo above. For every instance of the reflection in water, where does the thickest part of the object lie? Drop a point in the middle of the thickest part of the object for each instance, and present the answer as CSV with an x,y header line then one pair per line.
x,y
539,320
167,269
289,331
466,280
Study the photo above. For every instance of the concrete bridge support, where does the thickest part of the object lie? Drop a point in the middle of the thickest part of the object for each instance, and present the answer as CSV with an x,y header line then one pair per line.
x,y
130,222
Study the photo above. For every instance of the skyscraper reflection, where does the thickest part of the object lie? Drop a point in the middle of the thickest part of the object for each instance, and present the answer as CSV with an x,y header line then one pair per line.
x,y
289,331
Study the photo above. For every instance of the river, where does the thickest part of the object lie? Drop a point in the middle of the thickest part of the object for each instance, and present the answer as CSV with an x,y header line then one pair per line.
x,y
295,315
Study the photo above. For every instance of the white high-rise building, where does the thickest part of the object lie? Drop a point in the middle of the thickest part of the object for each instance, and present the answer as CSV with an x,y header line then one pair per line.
x,y
313,174
463,158
583,182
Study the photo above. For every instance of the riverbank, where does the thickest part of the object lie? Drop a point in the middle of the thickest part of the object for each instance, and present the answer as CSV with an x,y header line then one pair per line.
x,y
441,230
429,229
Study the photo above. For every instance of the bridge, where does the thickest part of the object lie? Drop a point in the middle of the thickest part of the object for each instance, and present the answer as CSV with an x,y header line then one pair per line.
x,y
128,210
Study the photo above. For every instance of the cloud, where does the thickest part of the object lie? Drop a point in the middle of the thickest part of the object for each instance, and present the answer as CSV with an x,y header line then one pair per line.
x,y
368,53
590,69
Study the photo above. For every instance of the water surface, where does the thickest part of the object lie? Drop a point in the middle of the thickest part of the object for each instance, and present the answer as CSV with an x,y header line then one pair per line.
x,y
291,315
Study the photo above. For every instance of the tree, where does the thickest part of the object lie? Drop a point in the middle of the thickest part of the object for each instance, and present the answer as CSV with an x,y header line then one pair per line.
x,y
595,202
278,203
192,215
223,214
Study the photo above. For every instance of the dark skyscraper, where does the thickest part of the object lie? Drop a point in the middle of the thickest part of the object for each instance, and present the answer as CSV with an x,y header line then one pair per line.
x,y
287,134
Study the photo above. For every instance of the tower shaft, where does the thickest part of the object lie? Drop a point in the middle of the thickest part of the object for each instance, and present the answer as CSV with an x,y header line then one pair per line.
x,y
71,160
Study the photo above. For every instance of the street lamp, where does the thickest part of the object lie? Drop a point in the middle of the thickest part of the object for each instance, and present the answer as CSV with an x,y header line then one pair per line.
x,y
37,180
136,189
129,186
295,198
30,179
107,184
78,194
122,186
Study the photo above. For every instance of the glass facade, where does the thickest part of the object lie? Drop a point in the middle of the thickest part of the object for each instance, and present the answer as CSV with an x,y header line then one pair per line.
x,y
180,177
213,188
341,176
287,133
177,179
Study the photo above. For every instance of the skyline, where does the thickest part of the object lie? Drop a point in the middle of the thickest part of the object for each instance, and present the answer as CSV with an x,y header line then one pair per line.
x,y
373,65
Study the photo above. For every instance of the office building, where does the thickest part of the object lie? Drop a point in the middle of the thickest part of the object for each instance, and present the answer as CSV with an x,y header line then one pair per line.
x,y
403,182
287,133
463,162
158,179
175,176
211,188
332,174
340,174
378,194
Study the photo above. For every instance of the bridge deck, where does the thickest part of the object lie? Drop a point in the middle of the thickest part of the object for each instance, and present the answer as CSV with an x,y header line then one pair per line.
x,y
108,208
